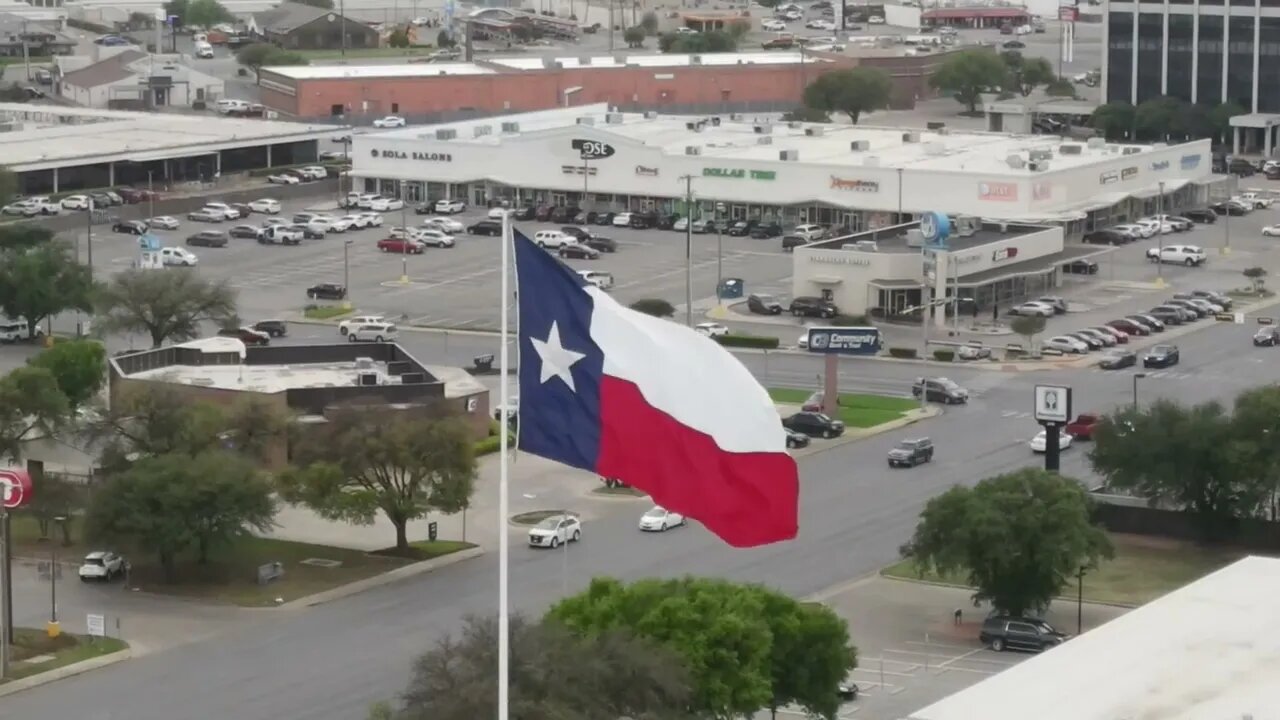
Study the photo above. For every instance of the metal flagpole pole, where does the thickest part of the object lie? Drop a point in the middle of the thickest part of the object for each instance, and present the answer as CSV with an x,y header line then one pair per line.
x,y
504,402
688,250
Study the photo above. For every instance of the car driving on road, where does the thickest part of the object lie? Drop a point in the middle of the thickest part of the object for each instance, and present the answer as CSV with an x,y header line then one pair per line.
x,y
1161,356
909,453
814,424
660,519
555,531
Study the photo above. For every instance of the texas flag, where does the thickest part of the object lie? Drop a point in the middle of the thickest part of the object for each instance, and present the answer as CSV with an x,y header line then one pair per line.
x,y
650,402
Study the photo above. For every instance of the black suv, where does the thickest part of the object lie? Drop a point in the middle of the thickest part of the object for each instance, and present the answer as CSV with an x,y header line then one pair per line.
x,y
814,424
1106,237
940,390
485,227
741,228
910,453
1201,215
1004,632
764,305
643,220
208,238
813,307
563,214
601,244
327,291
131,227
273,328
791,242
764,231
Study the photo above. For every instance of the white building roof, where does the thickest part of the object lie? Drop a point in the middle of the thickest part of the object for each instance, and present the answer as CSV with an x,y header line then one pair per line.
x,y
362,72
659,61
267,379
828,144
56,136
1209,651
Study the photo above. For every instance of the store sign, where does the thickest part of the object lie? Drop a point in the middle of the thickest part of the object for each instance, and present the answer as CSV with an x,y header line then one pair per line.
x,y
855,185
1129,173
415,155
1004,254
15,488
998,191
644,171
840,260
739,173
577,170
1158,166
1189,162
1109,177
844,341
592,149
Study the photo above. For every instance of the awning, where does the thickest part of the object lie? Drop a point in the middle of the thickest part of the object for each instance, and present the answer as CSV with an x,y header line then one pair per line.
x,y
1049,218
1153,190
893,284
826,280
1098,202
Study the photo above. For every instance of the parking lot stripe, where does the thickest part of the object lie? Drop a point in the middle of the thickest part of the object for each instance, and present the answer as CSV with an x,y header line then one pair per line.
x,y
945,646
896,673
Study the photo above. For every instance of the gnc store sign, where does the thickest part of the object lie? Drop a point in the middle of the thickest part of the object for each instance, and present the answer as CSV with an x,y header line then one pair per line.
x,y
998,191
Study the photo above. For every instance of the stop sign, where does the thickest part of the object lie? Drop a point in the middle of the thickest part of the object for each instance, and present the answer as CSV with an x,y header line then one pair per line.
x,y
15,488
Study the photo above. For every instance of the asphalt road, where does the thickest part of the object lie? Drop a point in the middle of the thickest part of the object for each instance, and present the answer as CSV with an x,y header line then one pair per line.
x,y
328,663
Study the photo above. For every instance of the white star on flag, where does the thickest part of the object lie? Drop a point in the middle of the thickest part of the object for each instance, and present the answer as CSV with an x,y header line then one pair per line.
x,y
557,360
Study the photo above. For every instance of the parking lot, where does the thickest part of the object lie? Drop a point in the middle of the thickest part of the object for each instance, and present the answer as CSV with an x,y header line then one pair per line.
x,y
453,287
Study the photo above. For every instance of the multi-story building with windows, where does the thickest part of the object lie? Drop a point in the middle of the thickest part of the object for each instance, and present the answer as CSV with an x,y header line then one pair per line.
x,y
1203,51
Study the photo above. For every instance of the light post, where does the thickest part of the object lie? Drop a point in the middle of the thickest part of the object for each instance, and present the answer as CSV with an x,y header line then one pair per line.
x,y
1080,599
1160,236
151,195
720,209
899,218
346,271
1136,378
404,234
88,235
53,629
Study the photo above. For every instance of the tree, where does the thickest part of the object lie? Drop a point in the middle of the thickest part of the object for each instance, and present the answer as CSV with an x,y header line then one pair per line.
x,y
852,92
554,674
968,74
322,4
78,366
1255,425
171,503
164,305
1257,278
811,654
1115,120
1162,118
1019,537
1060,87
30,405
654,306
42,281
365,460
1187,457
1219,117
649,22
8,185
206,13
52,497
634,37
1028,326
282,58
23,236
141,21
1025,74
254,56
445,40
399,38
717,628
712,41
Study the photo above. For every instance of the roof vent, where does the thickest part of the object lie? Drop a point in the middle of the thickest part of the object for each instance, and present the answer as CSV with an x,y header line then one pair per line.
x,y
794,124
764,140
1038,166
650,115
935,149
694,126
792,155
1039,154
584,60
1096,143
510,127
871,161
715,122
367,379
364,363
910,137
1016,162
446,134
692,150
762,128
586,120
860,146
815,131
482,130
1070,149
695,59
936,126
613,119
1132,150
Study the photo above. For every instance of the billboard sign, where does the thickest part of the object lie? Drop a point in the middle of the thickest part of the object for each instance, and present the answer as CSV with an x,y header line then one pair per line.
x,y
844,340
15,488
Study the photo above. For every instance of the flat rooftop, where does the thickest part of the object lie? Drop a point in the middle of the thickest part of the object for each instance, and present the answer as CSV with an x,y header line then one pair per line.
x,y
361,72
55,136
739,140
1208,651
267,379
896,239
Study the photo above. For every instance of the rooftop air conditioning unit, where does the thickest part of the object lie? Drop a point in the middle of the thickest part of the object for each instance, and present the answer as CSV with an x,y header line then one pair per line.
x,y
1015,161
510,127
936,126
366,379
764,140
619,59
794,124
762,128
650,115
1132,150
613,118
1096,143
694,126
967,225
364,363
692,150
935,148
695,59
482,130
915,238
789,155
910,137
735,116
1070,149
1038,166
1039,155
586,120
813,131
446,134
860,146
715,122
871,161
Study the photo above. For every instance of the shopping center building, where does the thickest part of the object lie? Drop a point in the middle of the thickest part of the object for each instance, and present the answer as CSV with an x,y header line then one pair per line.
x,y
851,176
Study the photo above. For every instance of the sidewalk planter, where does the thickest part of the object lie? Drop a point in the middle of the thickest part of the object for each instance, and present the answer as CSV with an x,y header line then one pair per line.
x,y
903,353
748,341
944,355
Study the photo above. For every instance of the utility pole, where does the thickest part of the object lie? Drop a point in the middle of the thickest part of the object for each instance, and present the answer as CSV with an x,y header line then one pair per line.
x,y
342,13
88,237
404,233
26,51
688,249
151,195
611,3
1160,237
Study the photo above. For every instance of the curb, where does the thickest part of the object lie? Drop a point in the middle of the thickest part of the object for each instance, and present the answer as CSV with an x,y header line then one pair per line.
x,y
386,578
298,319
936,583
65,671
864,433
612,497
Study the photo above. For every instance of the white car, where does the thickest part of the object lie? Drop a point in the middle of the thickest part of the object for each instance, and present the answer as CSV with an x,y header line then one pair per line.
x,y
773,25
622,219
390,121
711,329
1164,227
597,278
809,232
76,202
178,257
1258,200
1065,344
556,531
435,238
1189,255
680,225
101,565
266,206
283,234
444,224
386,204
1033,308
345,326
1271,231
372,332
803,341
1038,442
371,219
449,207
164,222
875,20
399,233
226,211
359,221
1133,232
660,519
685,31
496,213
283,179
340,224
820,25
313,172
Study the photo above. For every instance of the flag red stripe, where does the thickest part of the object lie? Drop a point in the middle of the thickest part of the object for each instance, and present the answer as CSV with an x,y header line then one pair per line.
x,y
747,499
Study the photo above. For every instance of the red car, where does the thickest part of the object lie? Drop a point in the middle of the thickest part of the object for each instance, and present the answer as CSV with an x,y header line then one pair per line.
x,y
1082,428
401,245
1130,327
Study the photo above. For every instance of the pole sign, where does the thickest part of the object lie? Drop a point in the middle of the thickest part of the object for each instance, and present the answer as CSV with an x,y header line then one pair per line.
x,y
1053,404
844,340
935,228
592,149
15,488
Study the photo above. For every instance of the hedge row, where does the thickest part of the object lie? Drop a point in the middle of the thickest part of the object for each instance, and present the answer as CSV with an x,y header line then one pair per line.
x,y
850,320
748,341
901,352
944,355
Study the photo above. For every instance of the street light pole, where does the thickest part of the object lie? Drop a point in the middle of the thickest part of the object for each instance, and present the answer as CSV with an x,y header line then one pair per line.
x,y
346,271
719,245
88,239
1136,378
151,195
404,233
688,249
53,628
1080,600
1160,236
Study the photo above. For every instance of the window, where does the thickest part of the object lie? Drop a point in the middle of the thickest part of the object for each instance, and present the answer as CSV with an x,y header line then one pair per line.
x,y
395,108
1180,50
1269,65
1150,55
1209,72
1240,62
1120,57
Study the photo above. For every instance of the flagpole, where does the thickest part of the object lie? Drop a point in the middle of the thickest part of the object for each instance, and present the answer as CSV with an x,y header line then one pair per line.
x,y
504,399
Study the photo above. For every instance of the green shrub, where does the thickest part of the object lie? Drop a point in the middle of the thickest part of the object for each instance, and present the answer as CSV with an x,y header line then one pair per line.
x,y
487,446
850,320
901,352
748,341
944,355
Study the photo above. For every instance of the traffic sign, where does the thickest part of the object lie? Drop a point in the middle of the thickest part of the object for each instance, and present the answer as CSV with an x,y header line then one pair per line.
x,y
15,488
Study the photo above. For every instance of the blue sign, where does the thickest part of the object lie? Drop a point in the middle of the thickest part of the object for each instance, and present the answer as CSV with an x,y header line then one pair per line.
x,y
1189,162
149,242
844,340
936,228
1162,165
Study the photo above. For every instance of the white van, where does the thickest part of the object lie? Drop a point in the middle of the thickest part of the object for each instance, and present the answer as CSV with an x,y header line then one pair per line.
x,y
373,332
227,106
178,256
597,278
204,49
12,331
553,239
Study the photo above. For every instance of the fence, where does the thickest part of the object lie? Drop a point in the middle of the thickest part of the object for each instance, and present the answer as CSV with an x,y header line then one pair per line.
x,y
1252,533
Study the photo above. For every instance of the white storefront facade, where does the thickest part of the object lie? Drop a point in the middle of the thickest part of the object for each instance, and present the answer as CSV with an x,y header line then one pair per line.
x,y
848,176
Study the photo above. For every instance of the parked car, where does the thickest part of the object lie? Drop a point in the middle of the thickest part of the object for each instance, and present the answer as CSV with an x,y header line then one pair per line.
x,y
711,329
208,238
1168,314
555,531
273,328
386,204
1189,255
660,519
741,228
940,389
1066,344
1268,336
597,278
807,306
266,206
1040,442
791,242
164,222
795,439
283,179
347,325
622,219
101,565
1033,308
765,231
763,304
246,335
449,207
1118,359
1130,326
224,210
1082,427
1002,632
372,332
909,453
251,232
1108,236
447,225
578,251
1214,297
130,227
1161,356
390,121
402,246
327,291
814,424
1148,320
1094,343
205,216
1107,339
485,227
1059,304
1081,267
1201,215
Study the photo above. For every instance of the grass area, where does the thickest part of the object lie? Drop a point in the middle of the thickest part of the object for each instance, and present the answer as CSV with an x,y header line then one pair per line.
x,y
535,517
35,60
1250,293
856,409
378,52
325,312
66,649
619,491
1143,569
27,540
426,550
